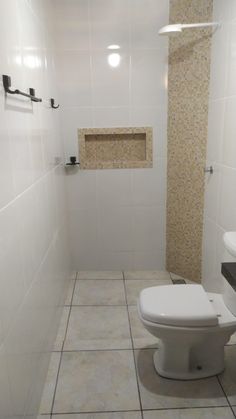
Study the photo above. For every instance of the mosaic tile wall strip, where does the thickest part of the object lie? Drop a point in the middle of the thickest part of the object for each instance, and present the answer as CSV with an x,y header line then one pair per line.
x,y
189,73
109,148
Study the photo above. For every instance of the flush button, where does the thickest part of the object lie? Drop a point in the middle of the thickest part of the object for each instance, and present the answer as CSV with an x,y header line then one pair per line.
x,y
211,301
218,315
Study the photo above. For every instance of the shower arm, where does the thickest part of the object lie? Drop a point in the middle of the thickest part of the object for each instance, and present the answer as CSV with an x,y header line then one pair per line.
x,y
199,25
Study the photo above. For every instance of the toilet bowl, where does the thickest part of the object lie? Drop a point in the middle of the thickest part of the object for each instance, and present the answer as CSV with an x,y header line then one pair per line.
x,y
192,327
191,324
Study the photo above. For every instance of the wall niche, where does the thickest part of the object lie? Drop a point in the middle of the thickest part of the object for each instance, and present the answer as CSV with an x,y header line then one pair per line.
x,y
115,148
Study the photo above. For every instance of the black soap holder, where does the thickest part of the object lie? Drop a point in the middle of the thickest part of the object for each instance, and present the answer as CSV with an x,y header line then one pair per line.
x,y
73,161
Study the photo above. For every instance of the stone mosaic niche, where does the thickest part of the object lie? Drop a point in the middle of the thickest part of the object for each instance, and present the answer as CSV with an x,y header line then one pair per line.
x,y
115,148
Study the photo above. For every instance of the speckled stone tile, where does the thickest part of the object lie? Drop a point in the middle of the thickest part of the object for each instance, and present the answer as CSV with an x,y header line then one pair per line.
x,y
96,381
70,292
134,287
49,387
100,275
141,337
207,413
98,327
99,292
157,392
115,415
228,377
62,329
159,275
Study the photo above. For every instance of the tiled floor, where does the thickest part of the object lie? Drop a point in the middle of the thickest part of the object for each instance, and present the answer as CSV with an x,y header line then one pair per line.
x,y
102,367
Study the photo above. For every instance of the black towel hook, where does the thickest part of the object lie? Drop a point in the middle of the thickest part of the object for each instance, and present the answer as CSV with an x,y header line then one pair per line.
x,y
52,101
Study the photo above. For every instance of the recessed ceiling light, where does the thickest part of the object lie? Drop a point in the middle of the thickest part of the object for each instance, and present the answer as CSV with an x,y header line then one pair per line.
x,y
113,46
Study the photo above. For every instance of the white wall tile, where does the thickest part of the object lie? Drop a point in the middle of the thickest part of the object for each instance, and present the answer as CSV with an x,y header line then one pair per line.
x,y
110,117
149,229
74,77
148,78
219,188
227,199
114,188
34,261
132,94
81,190
215,130
146,19
110,84
116,229
229,143
71,24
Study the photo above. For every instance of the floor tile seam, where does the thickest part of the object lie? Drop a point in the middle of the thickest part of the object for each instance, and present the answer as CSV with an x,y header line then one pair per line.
x,y
138,410
95,411
132,343
96,350
61,352
98,305
99,279
223,390
186,408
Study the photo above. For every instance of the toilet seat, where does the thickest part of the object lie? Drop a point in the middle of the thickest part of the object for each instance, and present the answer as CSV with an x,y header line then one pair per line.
x,y
183,306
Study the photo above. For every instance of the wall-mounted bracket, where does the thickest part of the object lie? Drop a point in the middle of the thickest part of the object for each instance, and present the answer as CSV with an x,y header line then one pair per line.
x,y
6,80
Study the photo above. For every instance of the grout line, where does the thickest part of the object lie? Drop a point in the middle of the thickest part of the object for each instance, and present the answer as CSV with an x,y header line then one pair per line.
x,y
59,367
97,350
95,412
222,388
98,305
132,343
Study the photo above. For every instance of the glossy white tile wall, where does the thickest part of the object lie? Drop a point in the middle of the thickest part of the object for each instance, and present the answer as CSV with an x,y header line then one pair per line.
x,y
34,263
220,197
117,217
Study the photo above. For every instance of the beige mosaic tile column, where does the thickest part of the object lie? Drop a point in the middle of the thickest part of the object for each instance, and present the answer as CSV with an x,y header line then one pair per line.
x,y
189,72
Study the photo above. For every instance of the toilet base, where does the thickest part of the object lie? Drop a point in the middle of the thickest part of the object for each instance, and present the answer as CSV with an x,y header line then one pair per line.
x,y
192,374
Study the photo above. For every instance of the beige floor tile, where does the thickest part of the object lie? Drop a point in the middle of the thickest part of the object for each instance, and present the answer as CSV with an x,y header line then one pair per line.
x,y
228,377
70,292
160,275
100,275
234,409
44,417
158,392
62,329
134,287
98,327
49,387
141,337
99,292
208,413
115,415
93,381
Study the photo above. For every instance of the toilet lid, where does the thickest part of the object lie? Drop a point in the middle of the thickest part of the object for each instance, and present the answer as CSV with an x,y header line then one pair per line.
x,y
177,305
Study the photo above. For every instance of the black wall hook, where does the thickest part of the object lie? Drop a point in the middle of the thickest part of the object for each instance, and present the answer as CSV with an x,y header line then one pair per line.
x,y
52,101
73,161
6,80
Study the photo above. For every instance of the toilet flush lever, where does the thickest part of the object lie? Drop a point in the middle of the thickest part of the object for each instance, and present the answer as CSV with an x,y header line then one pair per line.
x,y
209,169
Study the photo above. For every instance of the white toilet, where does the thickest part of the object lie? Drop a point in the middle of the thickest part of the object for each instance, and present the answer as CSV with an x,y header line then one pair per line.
x,y
192,325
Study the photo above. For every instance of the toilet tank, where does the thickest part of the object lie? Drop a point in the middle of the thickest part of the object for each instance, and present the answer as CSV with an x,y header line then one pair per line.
x,y
229,291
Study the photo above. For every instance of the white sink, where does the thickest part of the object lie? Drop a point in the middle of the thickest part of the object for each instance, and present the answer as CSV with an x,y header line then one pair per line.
x,y
230,242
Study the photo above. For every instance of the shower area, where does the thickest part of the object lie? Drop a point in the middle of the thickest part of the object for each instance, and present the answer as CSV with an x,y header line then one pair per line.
x,y
108,133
